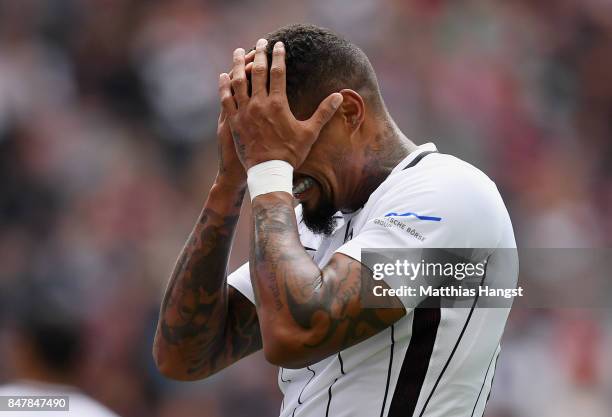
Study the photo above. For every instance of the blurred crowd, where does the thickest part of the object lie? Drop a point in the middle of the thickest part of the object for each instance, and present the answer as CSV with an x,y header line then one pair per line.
x,y
108,112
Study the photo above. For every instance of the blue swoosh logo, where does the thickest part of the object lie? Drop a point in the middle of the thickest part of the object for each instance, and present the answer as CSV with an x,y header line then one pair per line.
x,y
407,214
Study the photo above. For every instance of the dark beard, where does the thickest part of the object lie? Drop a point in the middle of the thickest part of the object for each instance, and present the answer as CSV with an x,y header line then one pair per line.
x,y
321,220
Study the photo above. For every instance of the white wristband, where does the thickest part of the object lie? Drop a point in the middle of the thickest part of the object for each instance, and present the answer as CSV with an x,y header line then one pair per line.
x,y
269,177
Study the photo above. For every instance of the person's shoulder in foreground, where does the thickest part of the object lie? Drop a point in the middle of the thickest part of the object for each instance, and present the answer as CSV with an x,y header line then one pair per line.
x,y
45,352
79,404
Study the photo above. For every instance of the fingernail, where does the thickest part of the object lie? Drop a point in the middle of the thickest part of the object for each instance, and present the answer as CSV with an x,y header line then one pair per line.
x,y
337,100
279,45
262,43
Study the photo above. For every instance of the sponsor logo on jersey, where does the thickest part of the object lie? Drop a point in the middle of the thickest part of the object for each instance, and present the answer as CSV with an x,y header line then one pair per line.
x,y
390,222
408,214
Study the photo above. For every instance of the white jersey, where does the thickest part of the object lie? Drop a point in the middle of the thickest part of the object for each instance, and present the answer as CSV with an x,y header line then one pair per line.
x,y
79,404
433,362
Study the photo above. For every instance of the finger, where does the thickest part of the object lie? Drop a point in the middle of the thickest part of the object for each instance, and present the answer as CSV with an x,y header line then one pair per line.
x,y
259,72
325,112
239,81
248,60
277,71
225,94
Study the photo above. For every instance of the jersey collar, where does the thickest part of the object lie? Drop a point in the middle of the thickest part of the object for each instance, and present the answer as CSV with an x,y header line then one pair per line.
x,y
342,218
426,147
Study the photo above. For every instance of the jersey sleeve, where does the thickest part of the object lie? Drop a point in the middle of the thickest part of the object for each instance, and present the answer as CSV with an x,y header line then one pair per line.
x,y
240,279
462,209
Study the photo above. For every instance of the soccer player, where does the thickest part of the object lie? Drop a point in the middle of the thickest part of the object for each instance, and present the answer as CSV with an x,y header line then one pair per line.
x,y
45,351
311,126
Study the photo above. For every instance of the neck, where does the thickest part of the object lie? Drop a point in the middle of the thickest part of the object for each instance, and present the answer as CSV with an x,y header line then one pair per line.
x,y
388,148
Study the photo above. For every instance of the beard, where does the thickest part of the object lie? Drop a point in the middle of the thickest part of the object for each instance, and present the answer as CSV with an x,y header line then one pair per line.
x,y
321,219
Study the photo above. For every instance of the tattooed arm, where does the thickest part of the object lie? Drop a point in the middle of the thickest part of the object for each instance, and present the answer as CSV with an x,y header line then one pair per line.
x,y
204,324
307,313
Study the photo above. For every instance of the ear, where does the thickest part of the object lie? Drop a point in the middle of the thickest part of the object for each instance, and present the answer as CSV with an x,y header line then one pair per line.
x,y
352,109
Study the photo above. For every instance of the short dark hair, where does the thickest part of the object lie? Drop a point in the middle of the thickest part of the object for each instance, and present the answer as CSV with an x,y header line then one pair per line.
x,y
319,62
44,316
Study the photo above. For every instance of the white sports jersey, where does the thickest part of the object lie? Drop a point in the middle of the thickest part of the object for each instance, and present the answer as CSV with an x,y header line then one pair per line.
x,y
434,362
79,404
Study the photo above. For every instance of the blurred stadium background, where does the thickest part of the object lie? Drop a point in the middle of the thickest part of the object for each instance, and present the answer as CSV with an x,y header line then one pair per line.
x,y
108,111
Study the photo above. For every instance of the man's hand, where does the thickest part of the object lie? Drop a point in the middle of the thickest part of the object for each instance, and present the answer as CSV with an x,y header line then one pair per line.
x,y
204,324
263,126
231,172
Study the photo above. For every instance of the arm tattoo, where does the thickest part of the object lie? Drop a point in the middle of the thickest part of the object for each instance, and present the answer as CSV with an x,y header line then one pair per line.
x,y
270,227
336,300
327,302
208,325
240,147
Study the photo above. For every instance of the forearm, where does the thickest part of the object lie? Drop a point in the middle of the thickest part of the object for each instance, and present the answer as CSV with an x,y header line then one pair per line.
x,y
288,284
194,310
307,313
